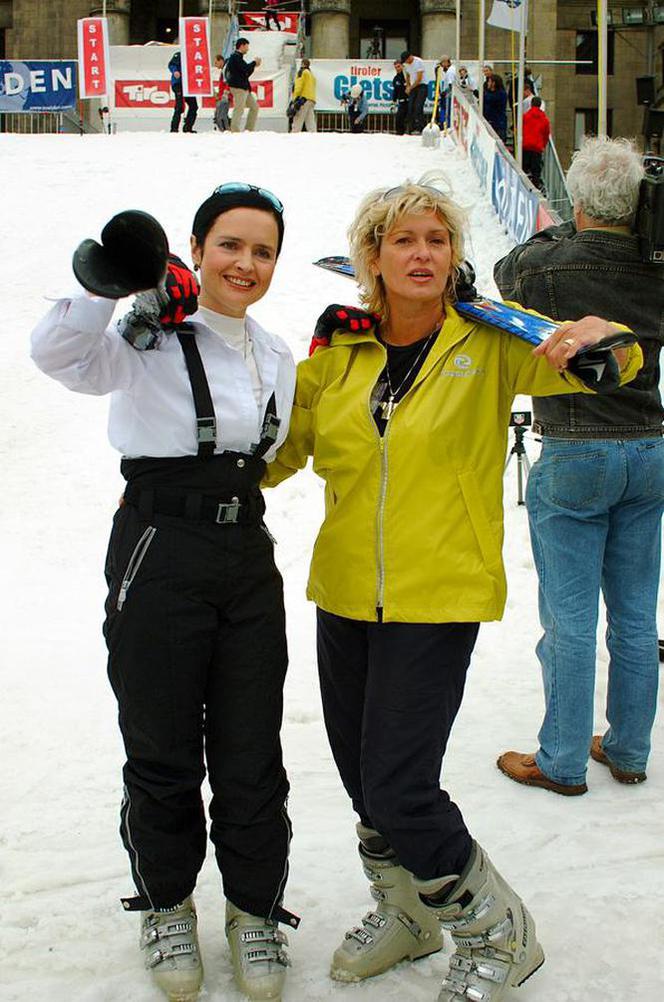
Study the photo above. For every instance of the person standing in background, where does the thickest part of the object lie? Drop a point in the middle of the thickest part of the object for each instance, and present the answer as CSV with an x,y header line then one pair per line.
x,y
175,69
416,89
536,133
271,14
237,72
224,97
495,105
399,98
304,92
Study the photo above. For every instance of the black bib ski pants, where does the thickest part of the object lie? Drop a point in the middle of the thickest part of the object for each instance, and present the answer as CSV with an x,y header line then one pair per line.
x,y
197,658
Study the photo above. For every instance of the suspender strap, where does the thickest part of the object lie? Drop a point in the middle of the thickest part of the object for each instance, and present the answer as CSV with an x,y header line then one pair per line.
x,y
269,430
206,421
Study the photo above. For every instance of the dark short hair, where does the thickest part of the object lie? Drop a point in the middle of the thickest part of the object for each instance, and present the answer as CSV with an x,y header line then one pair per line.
x,y
536,102
404,56
241,41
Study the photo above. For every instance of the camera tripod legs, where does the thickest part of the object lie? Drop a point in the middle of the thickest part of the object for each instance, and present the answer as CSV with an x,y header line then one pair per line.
x,y
522,462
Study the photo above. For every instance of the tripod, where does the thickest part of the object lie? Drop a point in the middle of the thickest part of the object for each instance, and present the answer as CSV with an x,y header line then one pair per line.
x,y
522,461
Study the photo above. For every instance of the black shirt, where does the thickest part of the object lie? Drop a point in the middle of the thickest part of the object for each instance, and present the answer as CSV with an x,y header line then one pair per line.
x,y
403,362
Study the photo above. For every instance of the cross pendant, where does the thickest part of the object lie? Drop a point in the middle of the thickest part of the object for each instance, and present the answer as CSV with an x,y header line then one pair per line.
x,y
387,407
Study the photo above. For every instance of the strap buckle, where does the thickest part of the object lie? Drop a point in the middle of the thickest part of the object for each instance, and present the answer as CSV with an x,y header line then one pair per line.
x,y
207,430
228,513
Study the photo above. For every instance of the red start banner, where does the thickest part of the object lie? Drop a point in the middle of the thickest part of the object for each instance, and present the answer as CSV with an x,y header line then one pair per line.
x,y
196,70
93,58
158,94
255,20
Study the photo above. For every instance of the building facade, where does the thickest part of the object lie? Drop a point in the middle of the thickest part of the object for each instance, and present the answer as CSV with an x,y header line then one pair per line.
x,y
561,43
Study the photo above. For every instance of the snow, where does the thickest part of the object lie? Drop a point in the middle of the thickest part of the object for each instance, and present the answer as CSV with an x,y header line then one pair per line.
x,y
591,868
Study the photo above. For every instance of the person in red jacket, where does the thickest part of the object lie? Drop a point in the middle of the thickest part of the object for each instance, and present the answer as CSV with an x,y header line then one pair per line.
x,y
536,132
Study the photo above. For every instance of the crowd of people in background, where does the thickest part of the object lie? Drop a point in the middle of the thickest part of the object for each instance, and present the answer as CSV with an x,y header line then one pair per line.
x,y
410,90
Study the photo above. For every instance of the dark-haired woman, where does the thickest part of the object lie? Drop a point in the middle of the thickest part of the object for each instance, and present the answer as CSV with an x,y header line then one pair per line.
x,y
194,614
495,105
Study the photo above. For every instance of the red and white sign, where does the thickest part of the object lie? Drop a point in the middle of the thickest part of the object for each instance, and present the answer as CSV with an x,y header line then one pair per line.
x,y
256,21
146,94
93,58
196,67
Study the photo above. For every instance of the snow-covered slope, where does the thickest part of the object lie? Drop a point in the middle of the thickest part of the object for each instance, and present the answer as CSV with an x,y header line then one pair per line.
x,y
591,868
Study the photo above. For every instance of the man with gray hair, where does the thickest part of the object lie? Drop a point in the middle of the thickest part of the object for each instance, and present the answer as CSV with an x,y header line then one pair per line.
x,y
595,496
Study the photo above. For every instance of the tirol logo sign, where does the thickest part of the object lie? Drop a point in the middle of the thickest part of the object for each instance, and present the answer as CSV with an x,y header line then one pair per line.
x,y
196,69
158,94
93,57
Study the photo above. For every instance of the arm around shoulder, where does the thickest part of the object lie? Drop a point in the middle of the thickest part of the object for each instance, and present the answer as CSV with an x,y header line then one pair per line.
x,y
299,444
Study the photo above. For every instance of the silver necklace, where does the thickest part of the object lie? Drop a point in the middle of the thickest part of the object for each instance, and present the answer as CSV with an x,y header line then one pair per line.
x,y
388,406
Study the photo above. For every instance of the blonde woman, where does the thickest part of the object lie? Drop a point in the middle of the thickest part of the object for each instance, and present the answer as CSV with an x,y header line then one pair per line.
x,y
406,418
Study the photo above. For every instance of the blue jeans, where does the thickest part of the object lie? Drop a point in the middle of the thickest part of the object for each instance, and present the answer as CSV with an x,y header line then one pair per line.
x,y
595,509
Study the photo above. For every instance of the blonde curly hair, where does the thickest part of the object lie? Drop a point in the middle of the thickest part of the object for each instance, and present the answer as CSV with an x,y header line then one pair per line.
x,y
379,212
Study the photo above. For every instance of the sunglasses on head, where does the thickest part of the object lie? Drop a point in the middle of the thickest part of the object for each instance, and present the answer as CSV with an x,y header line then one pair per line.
x,y
400,188
240,187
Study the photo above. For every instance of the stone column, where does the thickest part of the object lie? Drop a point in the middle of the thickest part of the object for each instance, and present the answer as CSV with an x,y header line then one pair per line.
x,y
117,15
219,22
330,29
438,28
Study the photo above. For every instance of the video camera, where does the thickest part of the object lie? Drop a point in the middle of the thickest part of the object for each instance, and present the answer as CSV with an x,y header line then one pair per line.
x,y
649,224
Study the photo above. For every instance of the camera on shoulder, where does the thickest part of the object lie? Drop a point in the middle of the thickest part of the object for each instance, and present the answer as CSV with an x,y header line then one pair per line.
x,y
649,224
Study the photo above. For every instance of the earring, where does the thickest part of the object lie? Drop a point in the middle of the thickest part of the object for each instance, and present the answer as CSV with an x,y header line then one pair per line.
x,y
196,266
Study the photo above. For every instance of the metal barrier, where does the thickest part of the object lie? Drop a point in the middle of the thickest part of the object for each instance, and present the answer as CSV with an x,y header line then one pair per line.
x,y
338,121
553,177
34,123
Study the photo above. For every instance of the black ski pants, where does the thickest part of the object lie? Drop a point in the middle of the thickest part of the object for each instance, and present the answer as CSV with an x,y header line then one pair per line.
x,y
416,101
189,118
390,694
197,660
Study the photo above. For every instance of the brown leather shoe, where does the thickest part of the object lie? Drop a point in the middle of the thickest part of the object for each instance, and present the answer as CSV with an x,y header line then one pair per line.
x,y
523,769
598,753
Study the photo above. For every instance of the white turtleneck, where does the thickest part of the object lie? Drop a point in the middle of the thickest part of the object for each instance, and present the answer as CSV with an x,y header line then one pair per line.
x,y
234,332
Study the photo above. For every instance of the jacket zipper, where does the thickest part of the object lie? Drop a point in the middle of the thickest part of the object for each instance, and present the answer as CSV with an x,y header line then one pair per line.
x,y
380,549
135,562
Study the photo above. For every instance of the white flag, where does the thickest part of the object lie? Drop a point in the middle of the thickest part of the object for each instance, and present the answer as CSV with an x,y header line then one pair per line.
x,y
507,14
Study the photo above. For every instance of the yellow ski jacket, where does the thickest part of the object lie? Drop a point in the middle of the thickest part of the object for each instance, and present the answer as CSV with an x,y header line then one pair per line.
x,y
305,86
414,520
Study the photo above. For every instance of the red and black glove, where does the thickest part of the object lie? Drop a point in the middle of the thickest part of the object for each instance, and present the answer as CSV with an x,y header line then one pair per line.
x,y
181,287
337,317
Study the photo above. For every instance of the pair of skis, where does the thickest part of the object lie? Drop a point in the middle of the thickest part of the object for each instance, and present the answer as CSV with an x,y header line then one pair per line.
x,y
595,365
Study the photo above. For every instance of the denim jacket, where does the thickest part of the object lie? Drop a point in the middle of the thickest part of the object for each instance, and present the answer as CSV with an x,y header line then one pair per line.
x,y
567,275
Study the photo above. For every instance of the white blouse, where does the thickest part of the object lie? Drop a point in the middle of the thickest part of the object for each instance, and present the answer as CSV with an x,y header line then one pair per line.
x,y
152,409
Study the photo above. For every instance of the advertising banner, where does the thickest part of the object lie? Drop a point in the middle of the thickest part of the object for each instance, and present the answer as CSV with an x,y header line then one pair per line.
x,y
149,94
255,20
142,96
37,85
93,59
473,137
516,205
196,63
335,77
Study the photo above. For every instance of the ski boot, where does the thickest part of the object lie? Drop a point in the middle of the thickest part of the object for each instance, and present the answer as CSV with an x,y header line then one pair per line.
x,y
258,954
494,933
170,942
400,928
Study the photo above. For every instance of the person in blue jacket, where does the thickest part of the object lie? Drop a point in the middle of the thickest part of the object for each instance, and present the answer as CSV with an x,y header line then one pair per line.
x,y
358,108
495,105
175,69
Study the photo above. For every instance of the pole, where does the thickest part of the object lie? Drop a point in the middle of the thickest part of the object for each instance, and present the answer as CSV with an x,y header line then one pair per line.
x,y
522,65
480,56
180,6
457,40
602,48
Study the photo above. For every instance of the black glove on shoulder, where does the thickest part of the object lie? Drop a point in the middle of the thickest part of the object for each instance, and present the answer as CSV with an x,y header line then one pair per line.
x,y
337,317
